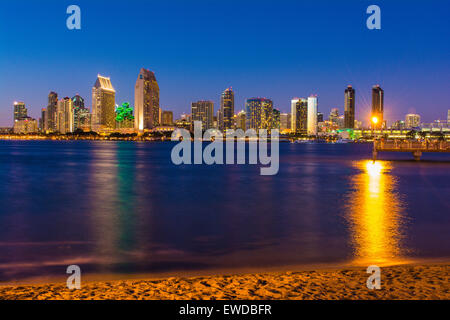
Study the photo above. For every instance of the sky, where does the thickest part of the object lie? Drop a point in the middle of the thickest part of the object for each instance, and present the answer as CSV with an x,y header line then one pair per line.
x,y
274,49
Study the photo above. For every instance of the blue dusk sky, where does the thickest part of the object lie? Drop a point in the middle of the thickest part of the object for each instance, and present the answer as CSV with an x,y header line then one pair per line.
x,y
275,49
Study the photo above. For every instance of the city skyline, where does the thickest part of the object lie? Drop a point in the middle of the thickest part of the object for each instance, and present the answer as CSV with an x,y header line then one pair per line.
x,y
280,72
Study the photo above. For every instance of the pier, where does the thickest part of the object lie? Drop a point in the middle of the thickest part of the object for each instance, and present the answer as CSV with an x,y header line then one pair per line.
x,y
413,146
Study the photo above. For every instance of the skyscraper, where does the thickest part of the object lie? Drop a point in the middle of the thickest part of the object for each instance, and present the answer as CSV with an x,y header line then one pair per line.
x,y
81,115
377,107
167,118
259,113
299,116
203,111
103,104
146,101
52,111
276,119
64,119
349,108
412,121
226,110
285,121
44,121
312,115
240,120
20,111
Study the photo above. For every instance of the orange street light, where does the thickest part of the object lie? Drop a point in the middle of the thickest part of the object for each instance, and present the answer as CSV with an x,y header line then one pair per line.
x,y
374,120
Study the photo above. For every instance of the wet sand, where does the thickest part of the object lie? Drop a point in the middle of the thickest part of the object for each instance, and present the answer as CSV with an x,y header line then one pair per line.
x,y
409,282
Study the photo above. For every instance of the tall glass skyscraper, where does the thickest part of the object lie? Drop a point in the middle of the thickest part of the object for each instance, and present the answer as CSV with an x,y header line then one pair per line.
x,y
203,111
103,104
81,115
259,112
20,111
52,108
146,101
312,115
349,108
226,110
64,118
299,116
377,106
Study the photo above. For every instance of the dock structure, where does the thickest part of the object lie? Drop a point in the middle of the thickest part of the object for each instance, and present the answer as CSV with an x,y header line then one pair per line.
x,y
414,146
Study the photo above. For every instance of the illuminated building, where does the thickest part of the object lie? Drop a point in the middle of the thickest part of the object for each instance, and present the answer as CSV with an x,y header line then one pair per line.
x,y
52,111
43,122
103,104
258,113
81,115
377,107
299,116
226,111
398,125
448,116
203,111
412,121
64,118
146,101
276,119
20,111
334,115
285,121
319,117
241,120
25,126
167,118
312,115
349,108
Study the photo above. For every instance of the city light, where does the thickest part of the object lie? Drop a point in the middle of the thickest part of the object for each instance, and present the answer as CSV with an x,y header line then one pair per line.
x,y
374,120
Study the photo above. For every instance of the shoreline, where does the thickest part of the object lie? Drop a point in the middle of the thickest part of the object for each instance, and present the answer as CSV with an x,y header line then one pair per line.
x,y
418,280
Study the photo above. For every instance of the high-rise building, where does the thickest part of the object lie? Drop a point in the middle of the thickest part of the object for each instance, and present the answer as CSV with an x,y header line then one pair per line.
x,y
20,111
25,125
81,115
167,118
412,121
64,119
44,121
240,120
226,110
312,115
377,119
299,116
203,111
319,117
103,104
349,108
276,119
285,121
334,115
52,108
146,101
259,112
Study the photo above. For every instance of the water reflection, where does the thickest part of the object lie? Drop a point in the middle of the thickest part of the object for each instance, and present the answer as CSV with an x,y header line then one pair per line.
x,y
376,216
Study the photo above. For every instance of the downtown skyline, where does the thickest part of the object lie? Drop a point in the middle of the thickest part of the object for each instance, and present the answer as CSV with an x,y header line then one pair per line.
x,y
415,77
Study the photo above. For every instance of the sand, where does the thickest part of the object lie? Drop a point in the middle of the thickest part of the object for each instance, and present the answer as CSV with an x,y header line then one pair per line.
x,y
397,282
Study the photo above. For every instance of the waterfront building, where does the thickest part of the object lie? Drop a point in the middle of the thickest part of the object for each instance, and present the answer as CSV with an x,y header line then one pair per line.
x,y
299,116
167,118
412,121
25,125
226,111
52,108
81,115
276,119
64,119
398,125
312,115
258,112
349,108
241,120
334,115
146,101
103,105
377,119
20,111
44,121
319,117
203,111
285,121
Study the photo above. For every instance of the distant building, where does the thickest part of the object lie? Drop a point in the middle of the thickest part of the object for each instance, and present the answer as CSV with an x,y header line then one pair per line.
x,y
412,121
334,115
312,115
203,111
258,112
349,108
44,120
241,120
103,104
299,116
398,125
52,108
167,118
25,126
81,115
285,121
20,111
146,101
276,119
319,117
448,116
226,111
64,119
377,107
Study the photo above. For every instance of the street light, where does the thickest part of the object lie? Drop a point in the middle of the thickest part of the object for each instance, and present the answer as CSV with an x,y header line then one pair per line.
x,y
374,120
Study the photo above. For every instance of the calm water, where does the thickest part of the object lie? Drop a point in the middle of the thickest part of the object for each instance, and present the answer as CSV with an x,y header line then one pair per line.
x,y
124,208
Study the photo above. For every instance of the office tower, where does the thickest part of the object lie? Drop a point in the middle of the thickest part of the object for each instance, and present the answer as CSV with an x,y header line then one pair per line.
x,y
20,111
377,119
203,111
44,121
81,115
167,118
398,125
64,119
285,121
52,111
146,101
103,104
334,115
259,112
226,110
276,119
349,108
312,115
299,116
25,126
240,120
319,117
412,121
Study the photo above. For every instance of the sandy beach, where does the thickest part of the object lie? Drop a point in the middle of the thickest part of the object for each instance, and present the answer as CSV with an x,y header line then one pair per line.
x,y
398,282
